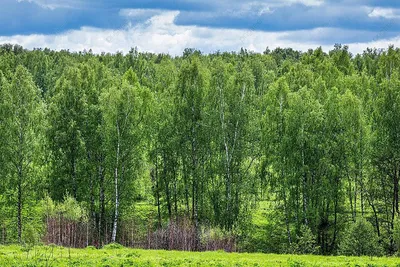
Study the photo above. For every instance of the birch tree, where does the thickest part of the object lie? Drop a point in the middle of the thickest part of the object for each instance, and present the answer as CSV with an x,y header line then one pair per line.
x,y
22,111
124,107
67,112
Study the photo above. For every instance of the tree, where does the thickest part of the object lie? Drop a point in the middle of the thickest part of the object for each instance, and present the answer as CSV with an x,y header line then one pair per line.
x,y
274,126
22,111
192,86
124,106
360,239
386,156
232,107
290,147
67,112
306,242
304,123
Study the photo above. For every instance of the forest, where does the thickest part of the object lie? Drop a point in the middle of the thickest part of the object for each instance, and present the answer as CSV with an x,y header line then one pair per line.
x,y
278,152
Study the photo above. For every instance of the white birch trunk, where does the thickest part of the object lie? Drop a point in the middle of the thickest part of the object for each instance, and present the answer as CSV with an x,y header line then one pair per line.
x,y
115,224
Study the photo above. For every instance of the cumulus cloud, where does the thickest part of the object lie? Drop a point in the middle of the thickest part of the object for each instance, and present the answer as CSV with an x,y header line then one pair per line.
x,y
328,36
290,17
51,4
28,17
57,16
387,13
160,34
169,26
133,16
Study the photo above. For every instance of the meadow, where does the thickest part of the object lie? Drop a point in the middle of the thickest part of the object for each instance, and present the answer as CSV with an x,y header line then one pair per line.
x,y
114,255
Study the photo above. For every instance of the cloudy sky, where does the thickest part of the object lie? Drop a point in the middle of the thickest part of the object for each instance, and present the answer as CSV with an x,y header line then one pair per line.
x,y
169,26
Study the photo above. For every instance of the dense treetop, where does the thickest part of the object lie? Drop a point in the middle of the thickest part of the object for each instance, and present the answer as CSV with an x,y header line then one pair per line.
x,y
284,151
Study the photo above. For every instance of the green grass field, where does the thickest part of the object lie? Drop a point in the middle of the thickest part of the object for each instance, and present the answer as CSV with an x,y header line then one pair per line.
x,y
57,256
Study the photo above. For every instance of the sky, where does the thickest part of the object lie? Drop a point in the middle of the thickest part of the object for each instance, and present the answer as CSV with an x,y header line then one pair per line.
x,y
170,26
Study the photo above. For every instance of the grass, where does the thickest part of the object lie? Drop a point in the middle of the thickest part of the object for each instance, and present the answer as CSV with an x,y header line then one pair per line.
x,y
120,256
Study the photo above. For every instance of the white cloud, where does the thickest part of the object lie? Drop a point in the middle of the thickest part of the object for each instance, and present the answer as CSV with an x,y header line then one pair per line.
x,y
138,12
307,2
53,4
257,7
273,3
159,34
360,47
387,13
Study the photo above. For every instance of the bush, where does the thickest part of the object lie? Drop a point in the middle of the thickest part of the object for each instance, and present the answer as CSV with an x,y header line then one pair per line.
x,y
30,235
113,246
360,239
72,209
306,242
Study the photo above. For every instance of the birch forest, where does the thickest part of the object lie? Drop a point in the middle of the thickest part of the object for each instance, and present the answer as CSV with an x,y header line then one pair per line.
x,y
279,152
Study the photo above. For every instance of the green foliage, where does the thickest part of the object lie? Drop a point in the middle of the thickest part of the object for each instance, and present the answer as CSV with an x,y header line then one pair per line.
x,y
56,256
396,233
360,239
30,236
252,146
48,206
306,242
113,246
71,209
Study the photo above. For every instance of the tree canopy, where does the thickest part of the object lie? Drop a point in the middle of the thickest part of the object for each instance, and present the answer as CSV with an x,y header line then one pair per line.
x,y
284,151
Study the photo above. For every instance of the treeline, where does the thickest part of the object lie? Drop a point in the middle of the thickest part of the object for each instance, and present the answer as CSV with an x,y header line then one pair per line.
x,y
310,138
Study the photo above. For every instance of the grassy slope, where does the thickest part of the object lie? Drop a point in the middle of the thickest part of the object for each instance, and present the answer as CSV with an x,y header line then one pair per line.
x,y
56,256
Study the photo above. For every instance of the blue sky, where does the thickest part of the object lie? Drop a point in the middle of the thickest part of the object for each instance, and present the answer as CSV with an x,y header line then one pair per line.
x,y
169,26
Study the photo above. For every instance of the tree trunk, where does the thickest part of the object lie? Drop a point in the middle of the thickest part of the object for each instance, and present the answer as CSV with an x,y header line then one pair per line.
x,y
102,206
186,184
167,191
289,236
115,224
19,204
175,195
352,208
333,244
375,216
158,203
396,191
73,175
92,210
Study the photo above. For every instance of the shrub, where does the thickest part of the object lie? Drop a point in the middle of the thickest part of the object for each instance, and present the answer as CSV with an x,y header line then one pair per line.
x,y
48,206
360,239
306,242
30,236
113,246
72,209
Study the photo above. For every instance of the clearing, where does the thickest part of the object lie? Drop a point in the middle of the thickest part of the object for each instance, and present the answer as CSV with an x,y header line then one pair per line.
x,y
114,255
